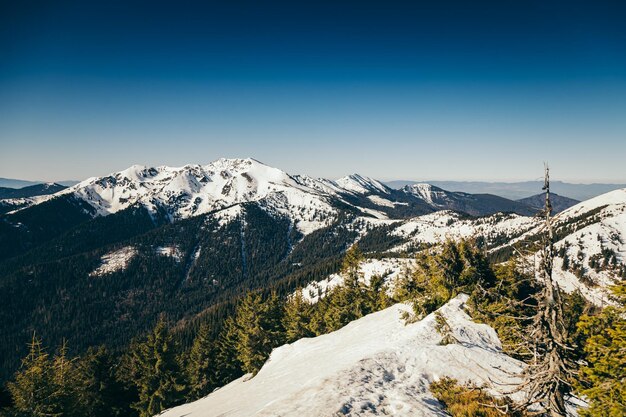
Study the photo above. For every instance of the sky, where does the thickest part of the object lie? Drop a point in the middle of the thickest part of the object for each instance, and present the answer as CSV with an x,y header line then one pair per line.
x,y
412,90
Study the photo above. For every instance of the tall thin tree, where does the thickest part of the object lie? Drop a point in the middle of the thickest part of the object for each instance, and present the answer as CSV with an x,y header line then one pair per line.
x,y
546,381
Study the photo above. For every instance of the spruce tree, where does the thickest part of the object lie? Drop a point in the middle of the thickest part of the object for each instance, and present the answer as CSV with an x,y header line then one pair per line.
x,y
66,383
201,365
443,273
46,387
349,301
604,375
351,266
228,365
297,317
159,381
101,392
32,390
260,330
377,298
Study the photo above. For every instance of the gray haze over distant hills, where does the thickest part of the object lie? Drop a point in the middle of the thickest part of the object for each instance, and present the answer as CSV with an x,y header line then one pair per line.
x,y
518,190
13,183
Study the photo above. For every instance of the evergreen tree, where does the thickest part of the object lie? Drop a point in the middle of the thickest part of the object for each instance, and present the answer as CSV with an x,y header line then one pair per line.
x,y
351,266
377,294
66,383
260,330
297,317
444,272
201,364
101,392
46,387
349,301
33,389
604,376
228,365
508,306
346,303
159,377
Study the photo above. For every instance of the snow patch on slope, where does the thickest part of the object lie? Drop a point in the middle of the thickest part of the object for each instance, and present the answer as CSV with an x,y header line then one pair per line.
x,y
114,261
388,268
374,366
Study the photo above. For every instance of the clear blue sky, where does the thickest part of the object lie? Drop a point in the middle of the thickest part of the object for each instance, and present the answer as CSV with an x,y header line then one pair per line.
x,y
465,90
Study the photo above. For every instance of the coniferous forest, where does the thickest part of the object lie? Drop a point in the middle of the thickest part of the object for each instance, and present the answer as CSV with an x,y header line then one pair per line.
x,y
175,362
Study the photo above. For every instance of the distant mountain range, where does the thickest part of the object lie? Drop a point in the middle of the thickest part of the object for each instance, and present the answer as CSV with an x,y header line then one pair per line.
x,y
15,183
559,203
518,190
31,190
511,190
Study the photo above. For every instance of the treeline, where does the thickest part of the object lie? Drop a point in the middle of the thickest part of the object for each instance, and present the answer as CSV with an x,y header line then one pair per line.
x,y
156,372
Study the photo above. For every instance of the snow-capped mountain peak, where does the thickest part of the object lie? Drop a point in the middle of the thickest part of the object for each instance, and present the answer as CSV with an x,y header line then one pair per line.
x,y
361,185
193,190
426,192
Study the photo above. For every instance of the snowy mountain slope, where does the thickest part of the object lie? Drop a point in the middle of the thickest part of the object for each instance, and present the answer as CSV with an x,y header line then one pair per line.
x,y
387,268
362,185
195,189
429,193
441,225
592,246
590,239
23,202
376,365
309,203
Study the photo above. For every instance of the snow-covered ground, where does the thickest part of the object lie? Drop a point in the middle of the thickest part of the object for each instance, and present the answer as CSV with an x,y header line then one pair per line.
x,y
114,261
374,366
387,268
607,231
439,226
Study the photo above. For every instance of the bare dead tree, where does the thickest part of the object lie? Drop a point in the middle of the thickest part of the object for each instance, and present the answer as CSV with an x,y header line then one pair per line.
x,y
546,379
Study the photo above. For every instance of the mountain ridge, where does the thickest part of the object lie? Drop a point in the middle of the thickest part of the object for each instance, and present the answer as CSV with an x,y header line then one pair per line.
x,y
517,190
198,189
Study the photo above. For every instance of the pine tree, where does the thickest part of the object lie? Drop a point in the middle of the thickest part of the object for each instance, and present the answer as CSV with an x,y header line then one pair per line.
x,y
260,330
297,317
159,377
201,365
